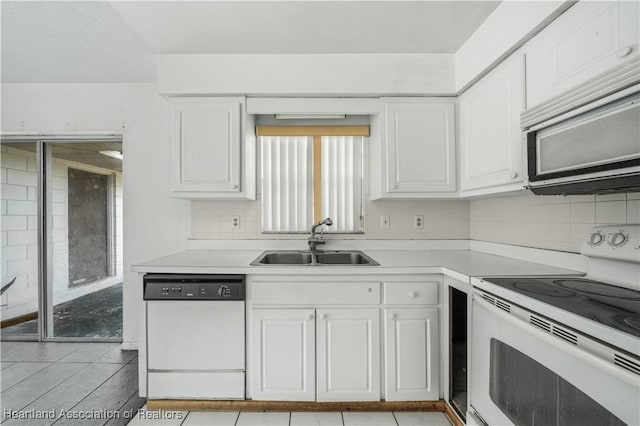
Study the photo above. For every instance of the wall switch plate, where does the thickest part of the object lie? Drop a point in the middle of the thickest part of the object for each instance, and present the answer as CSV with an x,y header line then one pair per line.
x,y
418,221
385,222
235,222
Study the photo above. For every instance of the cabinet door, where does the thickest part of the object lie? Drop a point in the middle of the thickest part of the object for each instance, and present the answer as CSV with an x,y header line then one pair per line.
x,y
348,351
283,354
206,137
411,348
490,135
419,147
590,39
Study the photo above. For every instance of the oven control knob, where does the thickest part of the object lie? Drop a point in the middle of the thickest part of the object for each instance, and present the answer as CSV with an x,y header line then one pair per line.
x,y
595,239
618,239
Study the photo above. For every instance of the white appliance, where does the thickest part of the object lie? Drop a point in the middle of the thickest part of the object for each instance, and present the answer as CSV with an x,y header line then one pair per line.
x,y
561,350
195,336
589,150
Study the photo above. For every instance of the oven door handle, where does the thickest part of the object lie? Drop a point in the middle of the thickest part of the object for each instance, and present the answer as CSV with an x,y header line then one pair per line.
x,y
546,337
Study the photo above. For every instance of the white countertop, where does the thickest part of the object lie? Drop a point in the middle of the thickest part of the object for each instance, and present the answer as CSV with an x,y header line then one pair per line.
x,y
460,264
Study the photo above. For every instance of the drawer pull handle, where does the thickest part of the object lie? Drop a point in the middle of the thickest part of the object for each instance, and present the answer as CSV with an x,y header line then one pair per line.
x,y
309,317
413,294
393,316
324,316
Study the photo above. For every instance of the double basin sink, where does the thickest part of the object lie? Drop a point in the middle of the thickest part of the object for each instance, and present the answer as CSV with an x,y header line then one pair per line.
x,y
317,258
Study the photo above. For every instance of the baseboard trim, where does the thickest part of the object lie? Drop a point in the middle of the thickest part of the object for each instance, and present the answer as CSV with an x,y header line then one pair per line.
x,y
452,415
250,405
18,320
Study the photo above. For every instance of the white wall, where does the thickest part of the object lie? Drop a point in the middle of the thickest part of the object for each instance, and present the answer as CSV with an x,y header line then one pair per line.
x,y
549,222
337,75
154,223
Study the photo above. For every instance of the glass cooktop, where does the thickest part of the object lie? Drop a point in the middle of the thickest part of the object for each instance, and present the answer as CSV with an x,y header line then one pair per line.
x,y
607,304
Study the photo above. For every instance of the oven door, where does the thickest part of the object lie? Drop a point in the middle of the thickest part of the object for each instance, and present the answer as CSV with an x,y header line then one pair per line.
x,y
521,375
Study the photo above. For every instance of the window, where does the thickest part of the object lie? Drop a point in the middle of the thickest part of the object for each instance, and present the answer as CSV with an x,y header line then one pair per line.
x,y
309,173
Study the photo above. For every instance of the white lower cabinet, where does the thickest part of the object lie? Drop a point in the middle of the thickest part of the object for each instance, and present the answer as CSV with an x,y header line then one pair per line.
x,y
285,346
411,353
283,343
326,340
348,351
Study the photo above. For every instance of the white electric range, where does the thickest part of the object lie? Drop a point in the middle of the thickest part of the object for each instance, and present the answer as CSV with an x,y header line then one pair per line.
x,y
561,350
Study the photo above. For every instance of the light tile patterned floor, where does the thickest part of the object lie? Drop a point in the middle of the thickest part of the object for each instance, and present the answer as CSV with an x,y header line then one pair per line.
x,y
228,418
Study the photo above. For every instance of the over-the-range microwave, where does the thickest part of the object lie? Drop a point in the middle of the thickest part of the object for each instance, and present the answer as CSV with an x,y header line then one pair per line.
x,y
590,150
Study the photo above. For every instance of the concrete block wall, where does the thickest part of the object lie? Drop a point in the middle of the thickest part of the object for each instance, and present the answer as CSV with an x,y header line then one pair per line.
x,y
18,232
19,256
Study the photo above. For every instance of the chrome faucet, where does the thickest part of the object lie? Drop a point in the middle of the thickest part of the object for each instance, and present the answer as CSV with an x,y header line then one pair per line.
x,y
314,241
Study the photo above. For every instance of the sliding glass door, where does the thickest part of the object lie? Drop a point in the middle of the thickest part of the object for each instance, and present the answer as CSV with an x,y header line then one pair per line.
x,y
20,260
78,213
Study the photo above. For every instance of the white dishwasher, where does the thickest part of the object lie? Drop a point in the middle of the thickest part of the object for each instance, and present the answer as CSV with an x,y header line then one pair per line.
x,y
195,336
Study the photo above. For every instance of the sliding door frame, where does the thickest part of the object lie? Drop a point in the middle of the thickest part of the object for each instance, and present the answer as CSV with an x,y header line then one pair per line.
x,y
45,268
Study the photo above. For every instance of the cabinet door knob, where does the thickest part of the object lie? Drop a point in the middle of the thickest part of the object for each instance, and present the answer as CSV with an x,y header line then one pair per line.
x,y
514,175
394,186
309,317
624,51
413,294
324,316
235,186
392,316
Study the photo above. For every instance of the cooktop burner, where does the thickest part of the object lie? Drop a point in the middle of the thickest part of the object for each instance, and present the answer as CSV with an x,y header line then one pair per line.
x,y
613,306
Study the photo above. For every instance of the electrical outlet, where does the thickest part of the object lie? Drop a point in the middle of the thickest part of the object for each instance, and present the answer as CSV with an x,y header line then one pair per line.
x,y
418,221
385,222
235,222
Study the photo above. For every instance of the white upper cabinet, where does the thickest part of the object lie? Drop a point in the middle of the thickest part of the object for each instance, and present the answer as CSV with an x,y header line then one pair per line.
x,y
588,40
417,151
491,144
211,155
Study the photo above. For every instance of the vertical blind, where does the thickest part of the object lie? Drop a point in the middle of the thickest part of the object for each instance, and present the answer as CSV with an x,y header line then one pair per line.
x,y
342,181
287,182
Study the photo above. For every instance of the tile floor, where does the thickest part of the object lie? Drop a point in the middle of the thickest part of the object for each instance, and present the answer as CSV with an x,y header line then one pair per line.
x,y
75,377
227,418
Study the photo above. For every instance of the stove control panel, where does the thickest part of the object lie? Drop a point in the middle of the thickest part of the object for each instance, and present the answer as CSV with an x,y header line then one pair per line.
x,y
618,242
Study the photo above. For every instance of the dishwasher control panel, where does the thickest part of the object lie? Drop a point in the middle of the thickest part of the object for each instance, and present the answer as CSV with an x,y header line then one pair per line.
x,y
193,287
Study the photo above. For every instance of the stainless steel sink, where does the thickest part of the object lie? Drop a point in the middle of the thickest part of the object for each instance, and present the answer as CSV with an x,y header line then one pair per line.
x,y
319,258
284,258
344,258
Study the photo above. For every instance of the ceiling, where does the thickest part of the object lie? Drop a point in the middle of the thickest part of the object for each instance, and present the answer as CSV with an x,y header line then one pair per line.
x,y
87,153
313,27
104,42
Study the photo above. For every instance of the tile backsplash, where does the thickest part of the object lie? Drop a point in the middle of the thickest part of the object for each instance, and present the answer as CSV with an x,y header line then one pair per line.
x,y
548,222
442,220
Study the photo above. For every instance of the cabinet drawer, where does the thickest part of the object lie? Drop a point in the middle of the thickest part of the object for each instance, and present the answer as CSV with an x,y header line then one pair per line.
x,y
411,293
316,293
